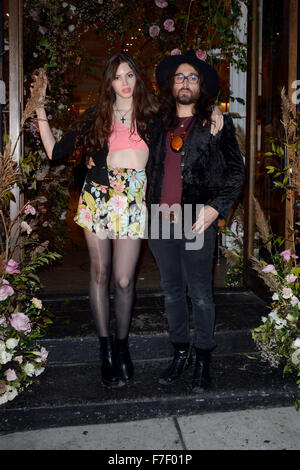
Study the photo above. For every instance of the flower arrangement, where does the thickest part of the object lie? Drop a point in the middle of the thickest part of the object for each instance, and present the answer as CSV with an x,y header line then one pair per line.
x,y
278,338
23,317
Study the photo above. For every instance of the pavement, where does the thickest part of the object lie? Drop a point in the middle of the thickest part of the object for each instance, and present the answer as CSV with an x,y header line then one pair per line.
x,y
251,429
258,429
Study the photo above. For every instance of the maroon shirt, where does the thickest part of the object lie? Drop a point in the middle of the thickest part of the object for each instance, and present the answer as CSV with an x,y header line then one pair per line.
x,y
172,183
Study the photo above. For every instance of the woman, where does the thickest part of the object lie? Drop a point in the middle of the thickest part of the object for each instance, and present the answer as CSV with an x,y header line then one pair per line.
x,y
112,206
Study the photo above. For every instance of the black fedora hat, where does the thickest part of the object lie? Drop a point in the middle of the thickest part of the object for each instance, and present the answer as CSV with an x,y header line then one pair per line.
x,y
170,63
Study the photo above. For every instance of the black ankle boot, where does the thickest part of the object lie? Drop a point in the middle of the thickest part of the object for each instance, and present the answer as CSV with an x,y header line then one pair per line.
x,y
201,378
124,360
181,361
110,373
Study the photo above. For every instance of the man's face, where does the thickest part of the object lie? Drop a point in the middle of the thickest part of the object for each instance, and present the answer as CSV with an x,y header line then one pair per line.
x,y
186,92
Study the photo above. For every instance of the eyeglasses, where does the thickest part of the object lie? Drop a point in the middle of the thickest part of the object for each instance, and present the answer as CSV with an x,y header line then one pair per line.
x,y
191,78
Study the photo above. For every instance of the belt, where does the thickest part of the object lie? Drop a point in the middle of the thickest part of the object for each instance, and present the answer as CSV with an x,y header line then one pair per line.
x,y
170,216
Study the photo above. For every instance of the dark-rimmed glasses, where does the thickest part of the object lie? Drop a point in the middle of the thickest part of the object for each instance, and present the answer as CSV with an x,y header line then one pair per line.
x,y
191,78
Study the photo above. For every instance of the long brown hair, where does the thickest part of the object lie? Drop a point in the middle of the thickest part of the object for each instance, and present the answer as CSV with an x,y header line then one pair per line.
x,y
96,123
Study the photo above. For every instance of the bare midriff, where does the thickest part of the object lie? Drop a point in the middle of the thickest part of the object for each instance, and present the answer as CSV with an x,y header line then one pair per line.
x,y
126,150
128,158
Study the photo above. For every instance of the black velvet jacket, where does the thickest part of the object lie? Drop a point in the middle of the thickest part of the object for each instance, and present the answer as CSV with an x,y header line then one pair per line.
x,y
212,167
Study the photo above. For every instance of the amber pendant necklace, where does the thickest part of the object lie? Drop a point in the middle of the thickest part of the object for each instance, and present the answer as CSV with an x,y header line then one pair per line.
x,y
177,141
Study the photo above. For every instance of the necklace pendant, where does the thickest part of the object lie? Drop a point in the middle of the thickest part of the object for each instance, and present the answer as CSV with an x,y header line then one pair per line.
x,y
123,119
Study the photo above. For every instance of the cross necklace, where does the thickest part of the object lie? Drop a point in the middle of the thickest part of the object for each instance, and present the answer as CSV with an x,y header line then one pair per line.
x,y
123,118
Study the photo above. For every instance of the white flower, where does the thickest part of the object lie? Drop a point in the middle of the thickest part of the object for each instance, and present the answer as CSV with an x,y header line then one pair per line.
x,y
39,371
3,399
264,319
11,393
11,343
5,357
294,301
71,28
296,357
29,369
279,323
275,296
37,302
296,343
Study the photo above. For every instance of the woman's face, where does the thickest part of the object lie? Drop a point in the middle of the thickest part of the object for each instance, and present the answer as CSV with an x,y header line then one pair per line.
x,y
124,81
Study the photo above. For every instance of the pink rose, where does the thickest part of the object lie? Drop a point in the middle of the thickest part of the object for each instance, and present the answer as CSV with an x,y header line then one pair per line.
x,y
18,359
270,268
26,227
20,322
78,60
12,267
161,3
42,30
154,31
5,290
175,52
169,25
290,278
287,293
43,353
201,54
286,254
10,375
30,209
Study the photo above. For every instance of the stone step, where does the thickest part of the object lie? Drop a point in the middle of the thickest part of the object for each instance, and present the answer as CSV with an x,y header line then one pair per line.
x,y
73,337
73,394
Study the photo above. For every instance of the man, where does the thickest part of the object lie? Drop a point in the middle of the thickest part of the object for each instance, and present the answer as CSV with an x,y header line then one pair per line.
x,y
187,171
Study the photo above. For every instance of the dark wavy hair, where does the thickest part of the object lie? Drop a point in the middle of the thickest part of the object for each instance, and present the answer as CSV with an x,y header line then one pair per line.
x,y
202,110
96,123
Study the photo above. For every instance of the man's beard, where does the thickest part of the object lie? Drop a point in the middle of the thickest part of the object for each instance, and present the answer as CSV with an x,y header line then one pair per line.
x,y
188,98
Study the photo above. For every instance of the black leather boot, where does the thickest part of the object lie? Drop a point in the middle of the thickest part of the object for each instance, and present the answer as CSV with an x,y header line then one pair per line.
x,y
123,359
181,361
110,372
201,378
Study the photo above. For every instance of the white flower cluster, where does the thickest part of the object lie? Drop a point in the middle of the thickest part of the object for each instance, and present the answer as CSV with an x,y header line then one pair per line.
x,y
279,322
10,384
296,354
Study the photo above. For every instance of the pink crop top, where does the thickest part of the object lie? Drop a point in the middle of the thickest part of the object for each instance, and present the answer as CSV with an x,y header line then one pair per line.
x,y
121,139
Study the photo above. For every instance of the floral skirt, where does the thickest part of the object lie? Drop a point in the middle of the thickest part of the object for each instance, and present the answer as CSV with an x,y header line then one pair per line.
x,y
114,211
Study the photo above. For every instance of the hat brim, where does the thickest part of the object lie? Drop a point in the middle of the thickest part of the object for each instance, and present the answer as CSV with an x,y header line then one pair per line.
x,y
170,63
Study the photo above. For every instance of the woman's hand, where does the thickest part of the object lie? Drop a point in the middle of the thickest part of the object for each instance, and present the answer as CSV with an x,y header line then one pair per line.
x,y
90,163
38,88
217,121
206,217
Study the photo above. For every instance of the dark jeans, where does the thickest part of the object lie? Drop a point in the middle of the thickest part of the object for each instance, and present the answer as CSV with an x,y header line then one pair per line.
x,y
180,269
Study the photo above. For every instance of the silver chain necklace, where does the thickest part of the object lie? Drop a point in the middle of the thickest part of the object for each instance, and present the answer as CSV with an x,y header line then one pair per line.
x,y
123,118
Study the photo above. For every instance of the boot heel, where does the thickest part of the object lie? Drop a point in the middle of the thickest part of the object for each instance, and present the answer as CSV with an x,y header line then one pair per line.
x,y
181,361
124,361
109,368
201,377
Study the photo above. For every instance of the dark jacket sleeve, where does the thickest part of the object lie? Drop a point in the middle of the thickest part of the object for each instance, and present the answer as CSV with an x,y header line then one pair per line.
x,y
70,141
66,145
234,170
